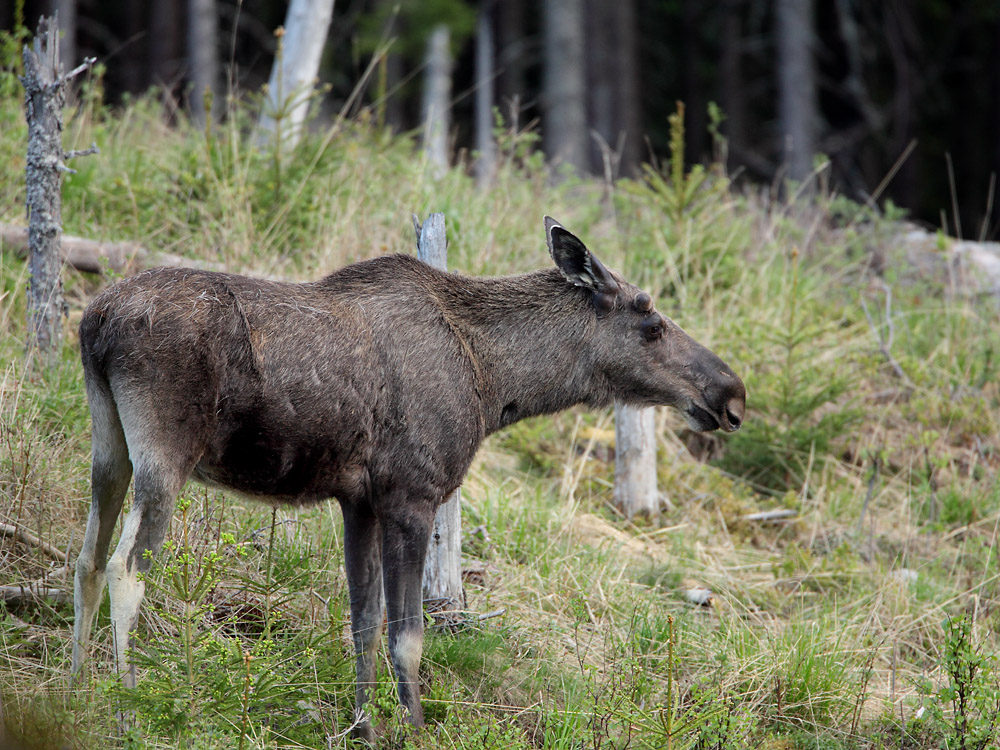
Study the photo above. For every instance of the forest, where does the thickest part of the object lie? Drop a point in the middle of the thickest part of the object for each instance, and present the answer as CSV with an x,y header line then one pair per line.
x,y
805,187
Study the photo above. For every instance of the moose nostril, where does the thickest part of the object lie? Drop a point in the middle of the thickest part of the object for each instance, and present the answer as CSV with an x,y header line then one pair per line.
x,y
734,421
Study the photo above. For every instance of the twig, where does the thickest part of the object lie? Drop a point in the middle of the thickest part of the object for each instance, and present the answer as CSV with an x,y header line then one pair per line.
x,y
885,342
26,537
868,496
765,516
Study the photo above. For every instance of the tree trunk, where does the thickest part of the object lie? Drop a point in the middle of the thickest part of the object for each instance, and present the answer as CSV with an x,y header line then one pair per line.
x,y
613,85
203,59
635,461
486,162
511,49
564,129
797,107
294,71
166,45
65,11
45,96
437,98
443,564
731,74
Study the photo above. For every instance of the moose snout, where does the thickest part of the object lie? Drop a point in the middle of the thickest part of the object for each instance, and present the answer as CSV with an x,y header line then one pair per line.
x,y
733,416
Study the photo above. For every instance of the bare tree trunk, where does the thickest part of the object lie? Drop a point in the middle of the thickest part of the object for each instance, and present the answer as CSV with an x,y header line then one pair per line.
x,y
65,11
797,106
635,461
486,163
612,84
564,129
44,96
437,98
294,71
203,58
443,564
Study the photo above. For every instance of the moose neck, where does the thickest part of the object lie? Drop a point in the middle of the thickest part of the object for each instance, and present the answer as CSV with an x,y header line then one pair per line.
x,y
529,339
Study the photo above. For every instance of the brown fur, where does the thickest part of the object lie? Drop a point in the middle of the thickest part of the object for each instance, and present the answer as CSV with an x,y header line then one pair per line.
x,y
374,386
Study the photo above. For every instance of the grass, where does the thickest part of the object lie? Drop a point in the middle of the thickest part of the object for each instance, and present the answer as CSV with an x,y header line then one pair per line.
x,y
832,630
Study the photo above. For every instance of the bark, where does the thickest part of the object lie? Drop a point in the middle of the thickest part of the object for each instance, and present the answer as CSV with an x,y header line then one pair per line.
x,y
45,96
443,564
294,72
203,59
797,106
564,129
635,461
437,98
486,148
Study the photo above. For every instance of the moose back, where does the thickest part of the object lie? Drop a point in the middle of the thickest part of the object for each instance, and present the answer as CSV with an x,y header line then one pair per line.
x,y
374,386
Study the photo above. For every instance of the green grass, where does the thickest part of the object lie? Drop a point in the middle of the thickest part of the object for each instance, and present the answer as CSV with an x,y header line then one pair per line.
x,y
827,631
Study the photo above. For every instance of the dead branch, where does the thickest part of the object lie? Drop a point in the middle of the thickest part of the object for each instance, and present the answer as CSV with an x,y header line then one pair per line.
x,y
26,537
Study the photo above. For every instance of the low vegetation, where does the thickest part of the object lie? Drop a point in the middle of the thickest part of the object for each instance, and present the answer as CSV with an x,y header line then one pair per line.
x,y
866,616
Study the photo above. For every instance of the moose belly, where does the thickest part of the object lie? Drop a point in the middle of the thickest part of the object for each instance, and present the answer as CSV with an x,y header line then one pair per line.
x,y
268,466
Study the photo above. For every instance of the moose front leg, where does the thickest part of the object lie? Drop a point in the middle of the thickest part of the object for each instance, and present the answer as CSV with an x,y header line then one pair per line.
x,y
404,546
362,558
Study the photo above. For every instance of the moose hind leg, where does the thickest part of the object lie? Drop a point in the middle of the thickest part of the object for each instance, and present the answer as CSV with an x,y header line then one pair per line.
x,y
403,550
111,472
362,558
142,536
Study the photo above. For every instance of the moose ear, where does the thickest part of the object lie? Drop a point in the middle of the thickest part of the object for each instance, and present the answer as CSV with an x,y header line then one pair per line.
x,y
575,261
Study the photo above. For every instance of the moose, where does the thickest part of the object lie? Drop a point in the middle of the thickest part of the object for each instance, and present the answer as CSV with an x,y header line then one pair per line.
x,y
374,386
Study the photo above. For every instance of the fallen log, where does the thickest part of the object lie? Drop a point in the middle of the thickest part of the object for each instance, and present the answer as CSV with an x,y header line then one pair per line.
x,y
33,594
96,256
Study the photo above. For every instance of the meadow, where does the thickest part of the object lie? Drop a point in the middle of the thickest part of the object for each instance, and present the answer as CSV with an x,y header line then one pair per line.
x,y
864,617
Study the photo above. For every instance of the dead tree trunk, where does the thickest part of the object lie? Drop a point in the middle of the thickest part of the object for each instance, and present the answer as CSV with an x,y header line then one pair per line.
x,y
635,461
443,564
437,98
44,98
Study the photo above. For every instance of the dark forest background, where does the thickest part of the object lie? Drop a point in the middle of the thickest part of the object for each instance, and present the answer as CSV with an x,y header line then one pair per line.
x,y
892,89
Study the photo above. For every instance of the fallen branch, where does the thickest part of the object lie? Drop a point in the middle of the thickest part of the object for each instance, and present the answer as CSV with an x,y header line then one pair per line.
x,y
771,516
26,537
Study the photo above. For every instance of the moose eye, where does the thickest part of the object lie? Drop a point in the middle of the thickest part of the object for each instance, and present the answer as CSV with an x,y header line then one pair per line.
x,y
652,330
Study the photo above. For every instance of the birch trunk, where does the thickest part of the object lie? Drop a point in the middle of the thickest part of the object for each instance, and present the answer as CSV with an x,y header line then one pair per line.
x,y
443,564
635,461
294,72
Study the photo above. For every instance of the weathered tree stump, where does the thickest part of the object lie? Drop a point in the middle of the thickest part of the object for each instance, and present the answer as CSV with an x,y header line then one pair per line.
x,y
443,591
635,461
